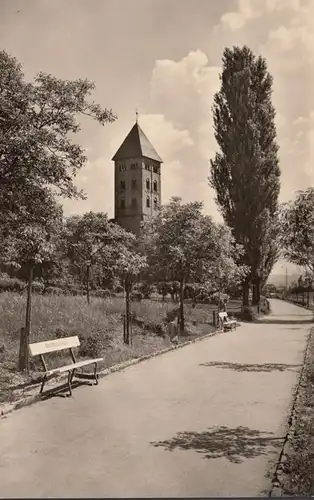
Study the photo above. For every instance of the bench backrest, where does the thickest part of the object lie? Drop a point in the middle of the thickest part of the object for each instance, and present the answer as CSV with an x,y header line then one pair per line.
x,y
223,315
53,345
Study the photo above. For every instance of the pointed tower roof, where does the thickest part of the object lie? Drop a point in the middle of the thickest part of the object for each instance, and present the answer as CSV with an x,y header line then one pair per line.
x,y
136,145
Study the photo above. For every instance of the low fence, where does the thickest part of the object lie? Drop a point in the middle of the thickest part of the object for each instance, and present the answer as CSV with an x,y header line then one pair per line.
x,y
304,298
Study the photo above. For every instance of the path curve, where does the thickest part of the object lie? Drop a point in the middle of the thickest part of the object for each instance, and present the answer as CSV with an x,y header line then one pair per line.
x,y
204,420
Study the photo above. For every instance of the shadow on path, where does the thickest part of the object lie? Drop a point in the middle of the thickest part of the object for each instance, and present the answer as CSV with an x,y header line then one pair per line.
x,y
272,321
234,444
266,367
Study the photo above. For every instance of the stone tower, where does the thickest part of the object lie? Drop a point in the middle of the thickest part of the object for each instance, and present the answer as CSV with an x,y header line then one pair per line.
x,y
137,179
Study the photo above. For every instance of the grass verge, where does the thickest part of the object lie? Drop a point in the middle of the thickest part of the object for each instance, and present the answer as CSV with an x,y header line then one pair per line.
x,y
298,470
99,327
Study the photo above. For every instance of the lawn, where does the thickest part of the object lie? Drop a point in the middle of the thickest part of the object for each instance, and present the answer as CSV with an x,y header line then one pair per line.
x,y
99,327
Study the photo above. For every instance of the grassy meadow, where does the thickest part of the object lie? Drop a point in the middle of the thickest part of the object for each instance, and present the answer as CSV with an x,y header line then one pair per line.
x,y
99,327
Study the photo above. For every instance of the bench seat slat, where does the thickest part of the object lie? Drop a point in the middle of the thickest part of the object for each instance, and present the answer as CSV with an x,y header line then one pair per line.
x,y
73,366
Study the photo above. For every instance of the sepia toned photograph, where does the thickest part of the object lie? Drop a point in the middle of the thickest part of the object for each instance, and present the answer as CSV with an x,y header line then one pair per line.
x,y
156,248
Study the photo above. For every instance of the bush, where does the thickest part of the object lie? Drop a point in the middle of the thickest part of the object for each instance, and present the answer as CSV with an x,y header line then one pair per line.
x,y
38,287
73,290
224,298
102,294
119,289
248,314
12,285
146,289
163,289
93,345
137,296
53,290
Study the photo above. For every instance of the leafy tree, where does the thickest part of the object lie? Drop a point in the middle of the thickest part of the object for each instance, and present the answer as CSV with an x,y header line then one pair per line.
x,y
31,246
183,245
128,266
92,241
245,173
297,234
38,121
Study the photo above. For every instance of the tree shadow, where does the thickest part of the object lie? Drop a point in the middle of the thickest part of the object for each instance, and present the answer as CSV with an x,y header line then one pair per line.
x,y
283,321
239,367
234,444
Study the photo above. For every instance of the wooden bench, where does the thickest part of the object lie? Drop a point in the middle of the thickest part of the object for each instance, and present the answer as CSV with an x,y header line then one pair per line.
x,y
44,348
226,322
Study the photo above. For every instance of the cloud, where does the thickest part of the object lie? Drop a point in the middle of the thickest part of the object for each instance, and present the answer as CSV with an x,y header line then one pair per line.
x,y
179,121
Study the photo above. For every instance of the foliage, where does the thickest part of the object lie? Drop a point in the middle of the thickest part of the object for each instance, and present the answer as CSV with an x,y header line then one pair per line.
x,y
217,298
11,285
53,290
102,294
297,234
185,246
146,289
245,173
38,121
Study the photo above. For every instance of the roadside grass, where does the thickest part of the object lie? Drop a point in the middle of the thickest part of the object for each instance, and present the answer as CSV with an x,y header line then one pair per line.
x,y
298,478
99,327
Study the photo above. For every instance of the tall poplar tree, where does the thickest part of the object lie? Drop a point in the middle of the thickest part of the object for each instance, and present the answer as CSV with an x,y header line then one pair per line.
x,y
245,172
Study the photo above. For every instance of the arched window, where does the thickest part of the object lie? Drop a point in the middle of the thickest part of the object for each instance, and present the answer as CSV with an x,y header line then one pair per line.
x,y
122,205
155,186
155,203
147,184
122,184
133,183
148,202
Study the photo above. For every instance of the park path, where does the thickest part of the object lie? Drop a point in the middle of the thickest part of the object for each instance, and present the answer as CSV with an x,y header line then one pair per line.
x,y
204,420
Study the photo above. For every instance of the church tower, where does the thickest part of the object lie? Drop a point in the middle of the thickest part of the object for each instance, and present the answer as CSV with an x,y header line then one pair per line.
x,y
137,180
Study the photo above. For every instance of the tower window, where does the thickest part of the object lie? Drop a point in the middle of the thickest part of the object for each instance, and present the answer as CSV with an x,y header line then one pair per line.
x,y
156,170
147,202
122,203
134,166
155,203
155,186
146,166
133,183
147,184
134,203
122,184
122,167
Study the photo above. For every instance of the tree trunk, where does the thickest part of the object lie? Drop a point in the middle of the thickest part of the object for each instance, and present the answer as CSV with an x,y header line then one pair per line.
x,y
87,284
181,306
25,332
128,329
219,299
245,292
254,294
258,291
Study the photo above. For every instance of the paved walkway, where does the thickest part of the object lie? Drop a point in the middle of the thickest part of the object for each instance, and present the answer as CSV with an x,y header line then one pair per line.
x,y
204,420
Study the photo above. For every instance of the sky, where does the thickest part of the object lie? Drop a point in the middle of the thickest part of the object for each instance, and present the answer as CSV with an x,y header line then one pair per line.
x,y
163,57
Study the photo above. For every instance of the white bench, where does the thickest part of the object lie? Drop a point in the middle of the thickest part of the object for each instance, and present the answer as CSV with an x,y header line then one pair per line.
x,y
226,322
43,348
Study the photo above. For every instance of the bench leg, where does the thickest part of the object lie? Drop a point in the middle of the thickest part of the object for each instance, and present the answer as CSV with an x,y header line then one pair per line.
x,y
95,374
70,378
43,384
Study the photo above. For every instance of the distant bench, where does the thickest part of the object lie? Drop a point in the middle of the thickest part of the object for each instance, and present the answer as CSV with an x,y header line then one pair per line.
x,y
226,322
44,348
